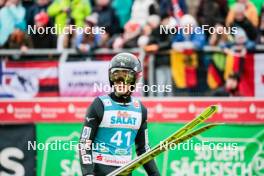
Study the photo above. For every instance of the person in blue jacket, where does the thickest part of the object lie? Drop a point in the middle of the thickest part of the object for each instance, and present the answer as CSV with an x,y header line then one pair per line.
x,y
189,35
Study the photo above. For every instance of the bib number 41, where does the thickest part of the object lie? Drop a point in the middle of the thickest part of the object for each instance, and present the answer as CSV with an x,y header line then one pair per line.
x,y
119,136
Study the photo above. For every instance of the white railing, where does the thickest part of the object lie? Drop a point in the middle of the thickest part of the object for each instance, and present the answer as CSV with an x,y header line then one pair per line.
x,y
9,52
64,55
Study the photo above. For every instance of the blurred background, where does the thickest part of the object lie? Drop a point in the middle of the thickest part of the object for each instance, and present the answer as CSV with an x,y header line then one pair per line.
x,y
48,79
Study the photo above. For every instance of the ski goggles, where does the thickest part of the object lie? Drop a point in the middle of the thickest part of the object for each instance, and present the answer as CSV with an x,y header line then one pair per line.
x,y
124,75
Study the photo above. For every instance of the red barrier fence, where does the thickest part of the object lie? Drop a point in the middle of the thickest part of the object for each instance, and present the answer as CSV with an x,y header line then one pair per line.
x,y
235,110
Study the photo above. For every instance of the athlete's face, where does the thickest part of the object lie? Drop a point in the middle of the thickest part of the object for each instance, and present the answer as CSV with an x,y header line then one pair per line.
x,y
122,79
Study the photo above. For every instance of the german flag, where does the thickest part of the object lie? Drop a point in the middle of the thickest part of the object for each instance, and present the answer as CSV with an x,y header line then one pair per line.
x,y
214,79
244,66
246,83
233,65
184,68
215,71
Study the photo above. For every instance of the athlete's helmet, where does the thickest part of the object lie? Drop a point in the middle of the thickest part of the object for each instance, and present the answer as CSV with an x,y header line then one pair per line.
x,y
125,61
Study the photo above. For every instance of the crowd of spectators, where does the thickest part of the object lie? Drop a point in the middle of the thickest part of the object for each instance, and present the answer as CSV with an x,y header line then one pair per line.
x,y
129,23
133,24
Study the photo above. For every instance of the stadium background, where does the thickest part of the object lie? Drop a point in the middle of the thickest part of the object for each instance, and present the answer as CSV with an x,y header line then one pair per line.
x,y
46,81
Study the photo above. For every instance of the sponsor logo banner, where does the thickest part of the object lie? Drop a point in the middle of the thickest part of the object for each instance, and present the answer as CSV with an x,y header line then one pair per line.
x,y
248,110
15,158
241,152
60,157
84,78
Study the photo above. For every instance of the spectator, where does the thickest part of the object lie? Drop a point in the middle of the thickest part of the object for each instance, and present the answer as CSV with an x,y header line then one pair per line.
x,y
178,7
68,12
230,88
261,27
241,21
169,7
46,40
106,41
27,4
104,38
130,36
249,11
39,6
258,4
19,40
11,16
158,42
221,37
165,7
142,9
87,40
106,16
144,39
193,7
223,5
188,35
209,12
67,39
151,31
240,45
2,4
123,10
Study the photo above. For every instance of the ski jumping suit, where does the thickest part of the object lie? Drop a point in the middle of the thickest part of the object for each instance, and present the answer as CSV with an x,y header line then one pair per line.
x,y
112,125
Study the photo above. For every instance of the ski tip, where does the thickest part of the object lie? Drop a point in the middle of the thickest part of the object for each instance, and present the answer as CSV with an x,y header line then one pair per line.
x,y
214,107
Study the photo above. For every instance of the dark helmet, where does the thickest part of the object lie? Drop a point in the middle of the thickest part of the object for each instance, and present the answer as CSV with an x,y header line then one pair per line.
x,y
126,61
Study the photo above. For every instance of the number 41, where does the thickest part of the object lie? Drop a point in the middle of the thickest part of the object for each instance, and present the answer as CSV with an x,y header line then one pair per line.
x,y
117,138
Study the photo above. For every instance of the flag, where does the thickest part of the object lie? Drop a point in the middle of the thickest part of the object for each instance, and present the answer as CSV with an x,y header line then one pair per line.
x,y
244,66
259,75
184,69
215,71
28,79
246,83
233,65
177,11
214,79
